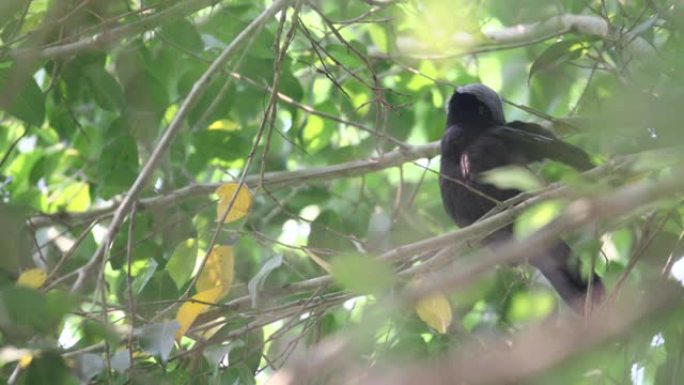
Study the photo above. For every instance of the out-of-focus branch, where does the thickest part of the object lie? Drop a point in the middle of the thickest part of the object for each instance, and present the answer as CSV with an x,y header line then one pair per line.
x,y
612,204
512,360
527,34
453,240
109,37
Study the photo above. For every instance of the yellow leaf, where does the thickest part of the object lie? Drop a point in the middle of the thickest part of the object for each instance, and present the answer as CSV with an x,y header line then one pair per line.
x,y
33,278
241,206
224,125
435,311
25,361
189,311
218,270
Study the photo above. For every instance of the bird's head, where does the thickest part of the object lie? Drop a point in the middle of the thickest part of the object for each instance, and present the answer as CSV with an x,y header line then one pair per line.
x,y
475,106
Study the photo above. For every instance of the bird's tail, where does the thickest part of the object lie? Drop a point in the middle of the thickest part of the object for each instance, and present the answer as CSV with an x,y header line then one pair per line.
x,y
567,279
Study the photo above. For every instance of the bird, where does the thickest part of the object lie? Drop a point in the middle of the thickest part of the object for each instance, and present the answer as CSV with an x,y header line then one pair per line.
x,y
477,139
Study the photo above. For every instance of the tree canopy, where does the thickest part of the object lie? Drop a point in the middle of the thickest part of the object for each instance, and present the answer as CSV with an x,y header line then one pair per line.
x,y
241,192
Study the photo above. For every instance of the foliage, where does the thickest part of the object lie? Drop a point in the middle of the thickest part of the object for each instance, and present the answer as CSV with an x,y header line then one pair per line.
x,y
273,218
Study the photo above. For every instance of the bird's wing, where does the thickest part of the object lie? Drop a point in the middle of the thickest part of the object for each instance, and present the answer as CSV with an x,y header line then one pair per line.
x,y
533,142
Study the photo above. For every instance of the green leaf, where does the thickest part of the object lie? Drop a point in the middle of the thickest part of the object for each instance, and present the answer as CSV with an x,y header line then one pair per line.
x,y
324,234
511,177
363,274
145,93
48,368
556,55
117,166
25,311
22,98
182,33
537,217
104,87
182,261
526,305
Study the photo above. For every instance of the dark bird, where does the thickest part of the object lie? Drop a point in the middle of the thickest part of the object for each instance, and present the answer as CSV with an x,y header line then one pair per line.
x,y
478,139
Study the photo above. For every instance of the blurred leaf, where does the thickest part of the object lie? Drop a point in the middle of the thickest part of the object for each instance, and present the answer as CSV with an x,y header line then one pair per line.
x,y
555,55
145,93
435,310
183,34
25,312
362,274
157,339
121,361
526,306
48,368
511,177
182,261
104,87
257,282
32,278
88,365
537,217
117,165
324,236
24,100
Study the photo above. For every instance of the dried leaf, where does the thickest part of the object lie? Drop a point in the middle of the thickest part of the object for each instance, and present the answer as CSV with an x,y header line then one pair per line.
x,y
189,311
33,278
241,205
218,271
435,311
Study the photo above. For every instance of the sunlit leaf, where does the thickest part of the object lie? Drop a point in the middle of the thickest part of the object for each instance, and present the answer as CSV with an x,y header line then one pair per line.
x,y
526,306
224,125
33,278
435,310
511,177
537,217
241,204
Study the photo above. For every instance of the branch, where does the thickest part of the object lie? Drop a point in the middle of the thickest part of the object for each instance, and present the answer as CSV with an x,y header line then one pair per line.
x,y
534,350
580,213
103,39
270,179
165,141
527,34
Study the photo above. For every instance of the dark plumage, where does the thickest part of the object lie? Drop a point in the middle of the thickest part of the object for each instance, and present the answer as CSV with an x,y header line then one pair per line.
x,y
478,139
